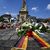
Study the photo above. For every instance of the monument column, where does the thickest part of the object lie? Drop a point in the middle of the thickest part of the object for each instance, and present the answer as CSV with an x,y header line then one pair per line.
x,y
23,12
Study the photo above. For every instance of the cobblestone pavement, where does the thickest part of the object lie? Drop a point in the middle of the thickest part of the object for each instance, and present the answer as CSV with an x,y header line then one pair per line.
x,y
33,44
8,38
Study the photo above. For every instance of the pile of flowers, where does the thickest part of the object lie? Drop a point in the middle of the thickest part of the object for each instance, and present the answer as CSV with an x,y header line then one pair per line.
x,y
25,27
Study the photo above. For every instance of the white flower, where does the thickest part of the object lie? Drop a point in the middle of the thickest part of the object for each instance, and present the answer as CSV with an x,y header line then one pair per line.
x,y
36,24
40,27
30,26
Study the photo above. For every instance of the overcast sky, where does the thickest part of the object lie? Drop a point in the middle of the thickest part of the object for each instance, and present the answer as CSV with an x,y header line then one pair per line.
x,y
38,8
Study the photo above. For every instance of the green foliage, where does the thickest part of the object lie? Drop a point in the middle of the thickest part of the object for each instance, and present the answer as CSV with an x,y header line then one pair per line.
x,y
33,28
25,27
1,19
43,29
37,27
48,31
21,32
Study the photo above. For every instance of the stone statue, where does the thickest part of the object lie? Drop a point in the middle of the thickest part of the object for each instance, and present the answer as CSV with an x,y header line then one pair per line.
x,y
24,3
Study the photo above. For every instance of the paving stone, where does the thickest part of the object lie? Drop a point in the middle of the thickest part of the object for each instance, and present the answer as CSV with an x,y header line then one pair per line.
x,y
33,48
2,34
6,37
10,43
11,33
2,42
0,37
14,37
1,48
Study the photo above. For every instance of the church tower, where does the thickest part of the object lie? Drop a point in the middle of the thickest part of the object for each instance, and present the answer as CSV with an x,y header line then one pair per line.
x,y
23,13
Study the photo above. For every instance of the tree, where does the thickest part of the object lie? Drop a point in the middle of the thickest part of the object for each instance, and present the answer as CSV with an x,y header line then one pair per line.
x,y
1,19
